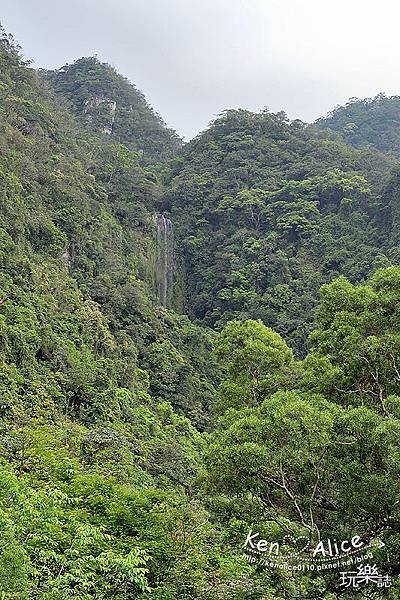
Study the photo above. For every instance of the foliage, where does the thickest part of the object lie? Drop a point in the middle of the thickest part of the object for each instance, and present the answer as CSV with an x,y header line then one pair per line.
x,y
137,447
368,123
320,456
267,211
113,105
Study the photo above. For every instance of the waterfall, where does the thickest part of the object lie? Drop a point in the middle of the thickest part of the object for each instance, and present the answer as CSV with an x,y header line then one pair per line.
x,y
165,259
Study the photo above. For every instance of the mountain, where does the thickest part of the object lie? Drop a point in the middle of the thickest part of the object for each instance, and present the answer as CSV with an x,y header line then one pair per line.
x,y
266,212
150,417
370,123
109,103
100,385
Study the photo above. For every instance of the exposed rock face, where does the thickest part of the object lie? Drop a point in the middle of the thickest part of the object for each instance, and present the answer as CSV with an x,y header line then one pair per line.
x,y
103,109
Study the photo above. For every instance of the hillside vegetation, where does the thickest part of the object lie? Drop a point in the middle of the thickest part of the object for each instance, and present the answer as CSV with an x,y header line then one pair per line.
x,y
369,123
268,211
109,103
139,444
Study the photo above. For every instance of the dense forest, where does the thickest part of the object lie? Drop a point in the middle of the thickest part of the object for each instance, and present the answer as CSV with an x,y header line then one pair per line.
x,y
370,123
268,211
144,435
110,104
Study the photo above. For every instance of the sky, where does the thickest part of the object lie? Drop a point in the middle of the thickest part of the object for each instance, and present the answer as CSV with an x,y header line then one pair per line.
x,y
194,58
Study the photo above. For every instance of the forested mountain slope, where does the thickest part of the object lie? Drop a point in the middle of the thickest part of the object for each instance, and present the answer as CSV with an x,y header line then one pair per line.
x,y
137,448
96,378
83,207
369,123
267,211
111,104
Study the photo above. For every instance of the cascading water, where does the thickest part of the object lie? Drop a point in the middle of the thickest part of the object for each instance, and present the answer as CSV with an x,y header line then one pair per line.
x,y
165,257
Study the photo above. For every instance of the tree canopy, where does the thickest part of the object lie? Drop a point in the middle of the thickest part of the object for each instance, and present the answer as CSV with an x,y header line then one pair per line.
x,y
139,444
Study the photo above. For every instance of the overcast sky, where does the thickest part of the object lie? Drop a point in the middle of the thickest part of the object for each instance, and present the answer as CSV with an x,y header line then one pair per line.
x,y
194,58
